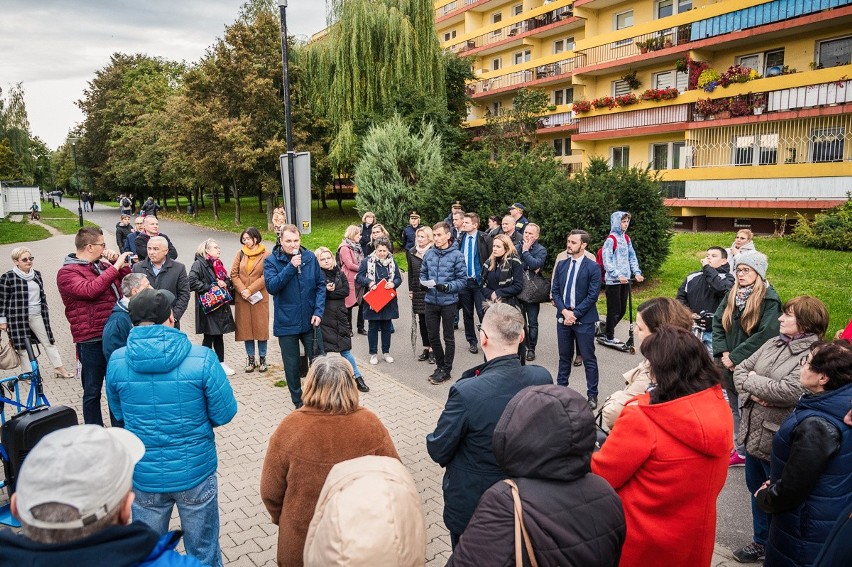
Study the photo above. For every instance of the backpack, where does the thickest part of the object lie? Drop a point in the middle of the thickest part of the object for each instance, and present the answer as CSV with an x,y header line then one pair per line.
x,y
599,256
125,203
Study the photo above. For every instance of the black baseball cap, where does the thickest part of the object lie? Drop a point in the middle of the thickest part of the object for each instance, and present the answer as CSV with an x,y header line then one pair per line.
x,y
151,306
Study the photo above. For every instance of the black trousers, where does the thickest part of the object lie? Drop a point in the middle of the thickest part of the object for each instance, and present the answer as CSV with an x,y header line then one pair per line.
x,y
440,318
424,332
616,306
217,343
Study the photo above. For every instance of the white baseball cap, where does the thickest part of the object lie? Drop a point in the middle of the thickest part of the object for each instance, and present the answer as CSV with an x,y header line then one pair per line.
x,y
87,467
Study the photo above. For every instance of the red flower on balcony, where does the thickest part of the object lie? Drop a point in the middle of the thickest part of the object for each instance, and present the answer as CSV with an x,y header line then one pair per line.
x,y
604,102
660,94
626,100
581,106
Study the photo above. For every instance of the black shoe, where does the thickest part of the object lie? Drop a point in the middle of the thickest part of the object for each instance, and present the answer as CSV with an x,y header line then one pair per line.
x,y
439,377
530,354
473,348
362,332
456,327
424,356
434,375
431,358
593,402
362,386
752,553
578,361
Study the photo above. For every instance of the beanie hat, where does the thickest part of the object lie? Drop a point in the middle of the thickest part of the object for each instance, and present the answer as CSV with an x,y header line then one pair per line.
x,y
756,261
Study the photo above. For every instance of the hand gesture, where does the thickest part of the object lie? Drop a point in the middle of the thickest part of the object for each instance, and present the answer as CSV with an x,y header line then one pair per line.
x,y
121,261
245,294
296,260
315,321
221,283
640,278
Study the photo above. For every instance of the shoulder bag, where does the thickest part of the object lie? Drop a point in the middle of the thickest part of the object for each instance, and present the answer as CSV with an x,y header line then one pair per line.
x,y
9,359
214,298
520,529
536,288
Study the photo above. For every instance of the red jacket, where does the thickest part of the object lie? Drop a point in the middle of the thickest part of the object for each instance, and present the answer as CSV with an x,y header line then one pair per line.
x,y
88,296
668,463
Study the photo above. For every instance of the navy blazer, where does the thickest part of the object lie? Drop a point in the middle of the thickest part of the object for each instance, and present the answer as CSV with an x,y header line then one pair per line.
x,y
586,290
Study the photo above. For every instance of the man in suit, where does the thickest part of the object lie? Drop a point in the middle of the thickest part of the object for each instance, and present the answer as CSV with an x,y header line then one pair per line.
x,y
164,273
575,290
475,245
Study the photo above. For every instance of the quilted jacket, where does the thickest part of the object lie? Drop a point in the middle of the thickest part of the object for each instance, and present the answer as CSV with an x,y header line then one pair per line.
x,y
171,394
89,292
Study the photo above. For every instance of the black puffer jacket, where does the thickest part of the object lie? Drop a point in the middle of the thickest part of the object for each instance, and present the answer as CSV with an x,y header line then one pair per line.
x,y
418,301
574,518
336,330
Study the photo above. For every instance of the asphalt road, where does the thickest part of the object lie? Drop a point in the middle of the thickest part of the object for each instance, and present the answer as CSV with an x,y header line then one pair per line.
x,y
734,515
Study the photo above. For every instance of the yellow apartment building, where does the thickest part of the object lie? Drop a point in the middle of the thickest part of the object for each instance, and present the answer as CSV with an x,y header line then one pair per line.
x,y
743,106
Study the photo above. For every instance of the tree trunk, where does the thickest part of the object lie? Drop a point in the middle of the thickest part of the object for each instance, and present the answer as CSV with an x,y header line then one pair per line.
x,y
226,193
177,200
270,206
194,196
165,193
338,188
322,196
201,193
215,204
236,203
260,197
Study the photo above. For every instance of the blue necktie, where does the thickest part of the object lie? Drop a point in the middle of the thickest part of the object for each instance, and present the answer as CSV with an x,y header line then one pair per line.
x,y
471,269
568,285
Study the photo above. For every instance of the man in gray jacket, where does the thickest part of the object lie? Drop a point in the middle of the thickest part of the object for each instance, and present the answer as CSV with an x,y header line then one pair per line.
x,y
164,273
444,274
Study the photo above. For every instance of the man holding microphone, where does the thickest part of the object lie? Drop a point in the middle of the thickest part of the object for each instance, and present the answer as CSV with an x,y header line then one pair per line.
x,y
297,286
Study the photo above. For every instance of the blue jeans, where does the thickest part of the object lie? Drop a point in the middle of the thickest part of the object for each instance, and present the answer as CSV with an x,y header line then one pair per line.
x,y
198,508
584,335
373,328
261,346
531,311
92,373
707,339
347,354
756,473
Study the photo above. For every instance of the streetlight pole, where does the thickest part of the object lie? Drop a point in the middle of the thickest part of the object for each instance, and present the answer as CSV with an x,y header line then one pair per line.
x,y
288,120
77,179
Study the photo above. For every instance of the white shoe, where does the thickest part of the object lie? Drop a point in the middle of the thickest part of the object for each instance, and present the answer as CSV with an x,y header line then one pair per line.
x,y
228,370
388,358
374,359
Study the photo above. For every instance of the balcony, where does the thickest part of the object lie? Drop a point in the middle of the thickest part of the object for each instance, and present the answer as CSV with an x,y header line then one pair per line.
x,y
667,42
625,122
560,119
517,30
539,75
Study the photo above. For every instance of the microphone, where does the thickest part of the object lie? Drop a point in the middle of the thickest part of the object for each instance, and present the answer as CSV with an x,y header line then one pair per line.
x,y
299,267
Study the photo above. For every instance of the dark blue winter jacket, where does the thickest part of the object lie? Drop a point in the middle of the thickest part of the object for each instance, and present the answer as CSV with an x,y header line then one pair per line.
x,y
444,266
116,329
298,294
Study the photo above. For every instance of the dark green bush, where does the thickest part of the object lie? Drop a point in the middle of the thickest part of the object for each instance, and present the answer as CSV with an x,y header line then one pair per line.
x,y
831,230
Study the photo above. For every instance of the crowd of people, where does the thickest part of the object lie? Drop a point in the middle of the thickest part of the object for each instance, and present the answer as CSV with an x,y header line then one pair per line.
x,y
731,376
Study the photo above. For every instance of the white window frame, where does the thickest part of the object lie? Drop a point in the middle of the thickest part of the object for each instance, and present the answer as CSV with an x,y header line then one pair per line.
x,y
615,16
759,145
675,158
496,108
624,152
563,94
558,150
570,43
820,43
675,79
620,87
522,57
558,46
497,64
678,7
839,133
449,35
517,9
762,64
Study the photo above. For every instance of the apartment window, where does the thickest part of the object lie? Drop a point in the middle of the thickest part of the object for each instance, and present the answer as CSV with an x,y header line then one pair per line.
x,y
497,17
496,64
619,156
666,8
668,155
523,57
827,144
742,223
563,96
756,150
669,79
834,52
558,46
496,108
763,62
450,35
569,43
620,87
557,146
623,20
517,10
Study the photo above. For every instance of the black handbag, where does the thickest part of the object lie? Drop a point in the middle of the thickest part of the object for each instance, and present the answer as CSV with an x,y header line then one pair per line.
x,y
536,288
600,433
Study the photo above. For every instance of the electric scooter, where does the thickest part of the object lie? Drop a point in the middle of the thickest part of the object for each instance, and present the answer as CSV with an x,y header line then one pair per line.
x,y
628,345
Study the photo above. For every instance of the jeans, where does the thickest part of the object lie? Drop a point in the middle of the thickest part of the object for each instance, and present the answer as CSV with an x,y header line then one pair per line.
x,y
347,354
707,339
289,345
373,329
440,318
198,508
471,298
261,346
40,331
616,306
92,373
584,335
756,473
531,310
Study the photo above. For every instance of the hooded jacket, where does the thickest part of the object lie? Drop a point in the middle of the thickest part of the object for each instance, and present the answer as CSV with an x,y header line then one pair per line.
x,y
89,291
444,266
171,394
135,545
703,291
121,233
668,462
368,514
618,261
544,442
298,294
116,329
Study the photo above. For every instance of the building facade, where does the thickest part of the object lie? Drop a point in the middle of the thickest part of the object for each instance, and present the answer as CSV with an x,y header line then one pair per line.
x,y
743,106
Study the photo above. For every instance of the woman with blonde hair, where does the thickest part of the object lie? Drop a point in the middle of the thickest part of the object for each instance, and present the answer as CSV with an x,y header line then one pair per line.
x,y
252,314
746,318
308,443
24,312
504,273
208,271
349,256
424,240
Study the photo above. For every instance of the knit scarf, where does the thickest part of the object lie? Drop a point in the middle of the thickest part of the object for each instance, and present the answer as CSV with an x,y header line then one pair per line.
x,y
505,270
388,263
28,276
218,268
420,252
252,255
742,295
356,249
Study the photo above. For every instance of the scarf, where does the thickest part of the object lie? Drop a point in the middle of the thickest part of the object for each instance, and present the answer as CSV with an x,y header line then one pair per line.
x,y
388,263
787,339
356,249
420,252
218,268
504,267
742,296
252,256
24,276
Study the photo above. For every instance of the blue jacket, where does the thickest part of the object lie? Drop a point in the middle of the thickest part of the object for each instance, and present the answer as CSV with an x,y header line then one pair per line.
x,y
297,294
462,439
409,236
444,267
171,394
586,290
135,545
116,329
130,243
535,257
389,311
622,261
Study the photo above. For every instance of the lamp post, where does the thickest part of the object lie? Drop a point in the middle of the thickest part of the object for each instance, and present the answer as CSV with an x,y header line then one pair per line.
x,y
77,179
291,155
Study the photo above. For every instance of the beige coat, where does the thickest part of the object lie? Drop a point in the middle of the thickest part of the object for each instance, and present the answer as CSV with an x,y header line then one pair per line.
x,y
368,513
636,382
252,320
776,382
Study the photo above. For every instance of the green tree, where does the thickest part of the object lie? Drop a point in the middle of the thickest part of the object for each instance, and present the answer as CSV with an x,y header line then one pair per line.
x,y
10,168
395,165
514,130
15,129
831,230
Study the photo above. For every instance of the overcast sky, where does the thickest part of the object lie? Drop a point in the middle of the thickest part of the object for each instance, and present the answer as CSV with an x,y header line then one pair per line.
x,y
55,47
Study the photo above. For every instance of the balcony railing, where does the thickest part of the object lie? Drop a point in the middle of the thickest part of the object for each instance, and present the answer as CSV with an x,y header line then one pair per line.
x,y
452,6
555,69
635,119
513,30
558,119
837,92
636,45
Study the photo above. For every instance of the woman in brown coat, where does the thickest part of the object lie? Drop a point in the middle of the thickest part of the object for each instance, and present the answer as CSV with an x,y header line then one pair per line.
x,y
308,443
251,299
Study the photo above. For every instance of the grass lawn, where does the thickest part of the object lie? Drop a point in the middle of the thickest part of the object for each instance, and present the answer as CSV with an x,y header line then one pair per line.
x,y
793,270
63,220
12,232
107,203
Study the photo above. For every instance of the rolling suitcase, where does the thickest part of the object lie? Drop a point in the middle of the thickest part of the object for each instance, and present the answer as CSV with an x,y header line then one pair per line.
x,y
24,430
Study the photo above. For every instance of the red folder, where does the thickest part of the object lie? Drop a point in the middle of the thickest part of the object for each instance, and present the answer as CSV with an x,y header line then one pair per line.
x,y
379,297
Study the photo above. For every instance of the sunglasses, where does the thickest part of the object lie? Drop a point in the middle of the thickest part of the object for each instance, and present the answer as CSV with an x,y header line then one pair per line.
x,y
30,259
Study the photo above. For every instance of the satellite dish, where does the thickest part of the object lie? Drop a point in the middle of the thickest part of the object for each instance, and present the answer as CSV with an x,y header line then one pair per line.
x,y
774,71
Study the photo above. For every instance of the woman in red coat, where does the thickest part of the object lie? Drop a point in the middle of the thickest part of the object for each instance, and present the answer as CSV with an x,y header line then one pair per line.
x,y
667,455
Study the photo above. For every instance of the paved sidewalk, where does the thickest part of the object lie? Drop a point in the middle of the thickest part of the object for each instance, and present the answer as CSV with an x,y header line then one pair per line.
x,y
248,538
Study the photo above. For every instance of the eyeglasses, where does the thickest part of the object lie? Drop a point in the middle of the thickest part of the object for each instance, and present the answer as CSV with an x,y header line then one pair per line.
x,y
481,330
30,259
805,360
743,270
101,244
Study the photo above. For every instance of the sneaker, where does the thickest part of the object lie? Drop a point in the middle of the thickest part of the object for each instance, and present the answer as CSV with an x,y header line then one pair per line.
x,y
752,553
374,359
388,358
737,460
611,342
424,356
228,370
439,377
362,386
261,366
362,332
431,358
